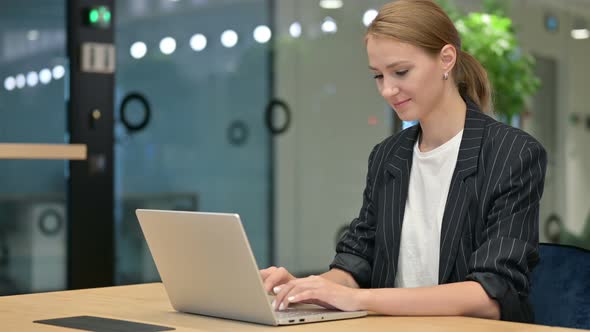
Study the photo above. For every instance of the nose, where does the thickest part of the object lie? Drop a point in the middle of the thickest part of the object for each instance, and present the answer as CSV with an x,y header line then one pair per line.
x,y
389,90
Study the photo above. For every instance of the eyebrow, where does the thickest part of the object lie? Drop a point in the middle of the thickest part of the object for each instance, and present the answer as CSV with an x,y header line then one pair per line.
x,y
391,65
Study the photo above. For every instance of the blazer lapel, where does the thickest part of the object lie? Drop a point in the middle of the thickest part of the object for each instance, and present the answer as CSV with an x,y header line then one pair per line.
x,y
397,178
459,193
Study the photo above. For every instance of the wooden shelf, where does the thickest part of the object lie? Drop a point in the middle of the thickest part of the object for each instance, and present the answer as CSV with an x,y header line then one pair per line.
x,y
43,151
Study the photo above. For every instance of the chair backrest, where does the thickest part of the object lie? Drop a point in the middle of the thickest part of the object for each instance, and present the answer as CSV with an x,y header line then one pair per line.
x,y
560,287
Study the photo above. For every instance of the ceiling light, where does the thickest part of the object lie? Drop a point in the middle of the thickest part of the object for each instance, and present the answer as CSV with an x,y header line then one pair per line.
x,y
32,79
229,38
58,72
9,83
329,25
580,34
580,29
168,45
20,81
198,42
45,76
369,16
295,29
138,50
331,4
262,34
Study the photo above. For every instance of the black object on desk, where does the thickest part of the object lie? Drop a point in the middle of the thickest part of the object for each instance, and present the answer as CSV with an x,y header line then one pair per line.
x,y
101,324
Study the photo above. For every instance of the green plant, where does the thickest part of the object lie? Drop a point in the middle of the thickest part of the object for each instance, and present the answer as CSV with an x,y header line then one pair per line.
x,y
490,38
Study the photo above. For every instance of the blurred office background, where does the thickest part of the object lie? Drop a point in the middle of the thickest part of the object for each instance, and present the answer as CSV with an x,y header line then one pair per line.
x,y
259,107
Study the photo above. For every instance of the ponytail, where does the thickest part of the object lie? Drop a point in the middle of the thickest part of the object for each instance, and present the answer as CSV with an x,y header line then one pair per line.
x,y
472,81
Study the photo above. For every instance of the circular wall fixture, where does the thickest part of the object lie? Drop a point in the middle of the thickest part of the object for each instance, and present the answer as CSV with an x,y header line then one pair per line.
x,y
141,99
237,133
50,222
270,109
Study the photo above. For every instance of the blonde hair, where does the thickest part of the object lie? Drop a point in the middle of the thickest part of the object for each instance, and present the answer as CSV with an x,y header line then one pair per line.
x,y
424,24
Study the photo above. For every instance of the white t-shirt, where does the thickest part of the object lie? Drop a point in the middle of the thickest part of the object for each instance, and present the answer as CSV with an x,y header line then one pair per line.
x,y
430,178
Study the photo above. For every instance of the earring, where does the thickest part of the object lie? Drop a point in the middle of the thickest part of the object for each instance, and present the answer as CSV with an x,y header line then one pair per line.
x,y
445,76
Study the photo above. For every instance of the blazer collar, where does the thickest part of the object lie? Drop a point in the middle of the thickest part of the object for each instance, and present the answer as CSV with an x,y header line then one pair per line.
x,y
399,161
468,157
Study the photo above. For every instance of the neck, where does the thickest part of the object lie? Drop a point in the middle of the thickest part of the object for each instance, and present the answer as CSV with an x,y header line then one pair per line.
x,y
444,122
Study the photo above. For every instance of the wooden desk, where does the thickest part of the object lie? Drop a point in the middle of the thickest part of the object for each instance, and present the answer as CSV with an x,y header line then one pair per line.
x,y
148,303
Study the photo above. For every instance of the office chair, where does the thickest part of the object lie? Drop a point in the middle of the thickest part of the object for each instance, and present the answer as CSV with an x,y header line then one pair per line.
x,y
560,287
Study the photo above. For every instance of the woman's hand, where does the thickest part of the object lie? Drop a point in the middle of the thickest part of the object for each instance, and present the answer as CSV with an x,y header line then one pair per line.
x,y
275,276
317,290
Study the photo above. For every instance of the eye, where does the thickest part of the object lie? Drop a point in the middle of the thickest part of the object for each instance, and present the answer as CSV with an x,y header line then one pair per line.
x,y
378,76
401,72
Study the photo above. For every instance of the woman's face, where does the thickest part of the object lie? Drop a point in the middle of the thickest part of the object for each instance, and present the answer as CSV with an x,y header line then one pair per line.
x,y
408,78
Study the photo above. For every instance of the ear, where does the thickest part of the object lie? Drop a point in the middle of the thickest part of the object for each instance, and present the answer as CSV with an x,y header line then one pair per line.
x,y
448,57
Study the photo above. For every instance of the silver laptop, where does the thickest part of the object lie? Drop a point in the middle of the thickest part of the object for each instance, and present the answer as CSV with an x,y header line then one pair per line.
x,y
207,267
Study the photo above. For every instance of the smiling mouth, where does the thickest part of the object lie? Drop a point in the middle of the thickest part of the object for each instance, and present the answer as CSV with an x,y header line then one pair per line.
x,y
401,103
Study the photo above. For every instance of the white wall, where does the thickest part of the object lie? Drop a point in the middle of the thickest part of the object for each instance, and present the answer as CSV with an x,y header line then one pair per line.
x,y
567,189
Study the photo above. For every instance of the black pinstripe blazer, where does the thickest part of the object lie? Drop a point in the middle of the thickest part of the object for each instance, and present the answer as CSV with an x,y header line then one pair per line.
x,y
490,224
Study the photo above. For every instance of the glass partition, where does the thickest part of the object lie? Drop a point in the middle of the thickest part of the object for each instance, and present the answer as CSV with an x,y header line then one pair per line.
x,y
200,68
33,218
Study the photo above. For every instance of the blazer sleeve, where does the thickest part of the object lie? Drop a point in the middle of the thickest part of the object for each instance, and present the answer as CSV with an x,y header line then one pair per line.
x,y
503,262
355,250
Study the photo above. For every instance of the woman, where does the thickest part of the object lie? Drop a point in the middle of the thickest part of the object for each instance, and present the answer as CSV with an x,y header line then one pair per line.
x,y
466,187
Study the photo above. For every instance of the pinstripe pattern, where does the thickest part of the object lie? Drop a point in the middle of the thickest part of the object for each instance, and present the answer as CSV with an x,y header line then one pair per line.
x,y
490,224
